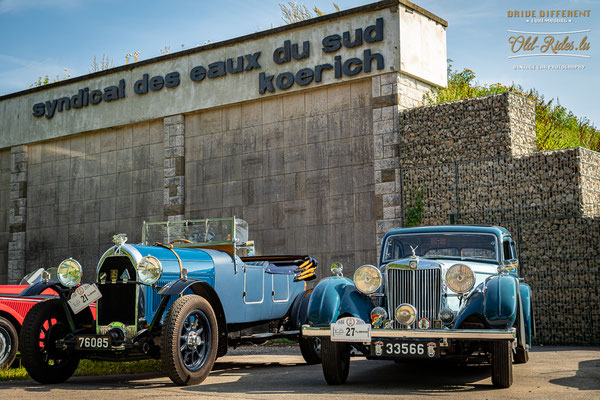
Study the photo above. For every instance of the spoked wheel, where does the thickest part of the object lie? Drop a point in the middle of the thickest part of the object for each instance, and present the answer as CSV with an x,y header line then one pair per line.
x,y
502,374
9,343
311,349
44,324
336,361
190,340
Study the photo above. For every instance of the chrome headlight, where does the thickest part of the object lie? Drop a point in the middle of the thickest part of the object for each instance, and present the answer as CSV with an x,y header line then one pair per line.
x,y
149,270
460,278
405,314
368,279
69,272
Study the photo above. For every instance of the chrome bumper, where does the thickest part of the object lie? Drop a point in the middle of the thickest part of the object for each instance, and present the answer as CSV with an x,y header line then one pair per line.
x,y
458,334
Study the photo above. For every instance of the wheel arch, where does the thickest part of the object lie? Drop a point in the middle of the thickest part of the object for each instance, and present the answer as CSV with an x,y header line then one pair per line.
x,y
206,291
11,317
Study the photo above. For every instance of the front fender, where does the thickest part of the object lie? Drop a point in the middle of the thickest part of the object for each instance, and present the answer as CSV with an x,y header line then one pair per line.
x,y
527,303
299,311
473,305
37,288
176,287
501,303
335,296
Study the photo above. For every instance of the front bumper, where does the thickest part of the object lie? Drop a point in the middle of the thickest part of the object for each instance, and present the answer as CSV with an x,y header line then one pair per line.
x,y
443,334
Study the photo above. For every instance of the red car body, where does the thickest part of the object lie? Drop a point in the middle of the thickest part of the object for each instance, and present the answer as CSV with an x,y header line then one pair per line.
x,y
13,309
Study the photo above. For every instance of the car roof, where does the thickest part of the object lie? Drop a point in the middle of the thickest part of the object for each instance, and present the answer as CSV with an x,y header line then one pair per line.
x,y
496,230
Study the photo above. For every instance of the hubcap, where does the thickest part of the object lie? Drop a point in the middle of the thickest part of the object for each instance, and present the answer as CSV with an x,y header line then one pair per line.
x,y
195,340
5,345
50,331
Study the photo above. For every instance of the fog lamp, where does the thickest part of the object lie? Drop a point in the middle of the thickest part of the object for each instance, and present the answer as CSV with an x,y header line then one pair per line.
x,y
405,314
446,315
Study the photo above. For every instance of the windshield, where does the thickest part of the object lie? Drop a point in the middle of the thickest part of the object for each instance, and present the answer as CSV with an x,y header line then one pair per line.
x,y
478,246
217,230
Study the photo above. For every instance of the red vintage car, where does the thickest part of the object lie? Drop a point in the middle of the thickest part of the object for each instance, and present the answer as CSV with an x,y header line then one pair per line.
x,y
13,308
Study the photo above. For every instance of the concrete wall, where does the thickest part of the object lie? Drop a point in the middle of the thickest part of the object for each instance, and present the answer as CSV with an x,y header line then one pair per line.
x,y
84,189
298,168
428,62
4,209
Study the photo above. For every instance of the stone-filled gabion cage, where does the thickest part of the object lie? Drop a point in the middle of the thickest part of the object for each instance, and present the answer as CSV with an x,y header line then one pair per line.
x,y
475,162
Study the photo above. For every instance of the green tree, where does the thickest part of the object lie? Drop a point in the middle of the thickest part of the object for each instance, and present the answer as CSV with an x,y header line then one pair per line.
x,y
415,208
46,80
296,12
556,126
105,63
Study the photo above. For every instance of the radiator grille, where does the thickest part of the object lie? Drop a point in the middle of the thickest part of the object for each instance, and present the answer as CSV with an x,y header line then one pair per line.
x,y
421,288
118,301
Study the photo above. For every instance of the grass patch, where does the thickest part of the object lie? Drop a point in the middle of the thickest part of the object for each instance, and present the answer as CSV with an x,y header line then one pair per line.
x,y
93,368
280,342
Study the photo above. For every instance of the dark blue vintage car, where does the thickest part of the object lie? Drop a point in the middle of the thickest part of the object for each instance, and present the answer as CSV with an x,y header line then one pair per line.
x,y
191,289
439,292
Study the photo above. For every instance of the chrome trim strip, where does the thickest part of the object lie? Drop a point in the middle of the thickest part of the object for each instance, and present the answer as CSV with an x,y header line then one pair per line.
x,y
465,334
36,300
126,250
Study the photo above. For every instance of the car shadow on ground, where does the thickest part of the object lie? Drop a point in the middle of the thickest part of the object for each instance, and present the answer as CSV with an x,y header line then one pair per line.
x,y
367,377
587,376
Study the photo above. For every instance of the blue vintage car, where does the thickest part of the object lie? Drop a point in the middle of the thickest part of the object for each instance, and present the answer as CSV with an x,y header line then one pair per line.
x,y
190,290
439,292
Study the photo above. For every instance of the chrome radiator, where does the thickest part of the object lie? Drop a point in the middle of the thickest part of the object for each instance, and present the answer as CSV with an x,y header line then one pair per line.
x,y
421,288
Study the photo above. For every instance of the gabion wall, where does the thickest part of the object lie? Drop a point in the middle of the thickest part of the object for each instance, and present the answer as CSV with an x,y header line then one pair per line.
x,y
475,162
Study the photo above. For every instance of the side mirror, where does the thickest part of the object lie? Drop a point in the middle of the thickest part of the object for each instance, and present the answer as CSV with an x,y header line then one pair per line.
x,y
337,269
508,265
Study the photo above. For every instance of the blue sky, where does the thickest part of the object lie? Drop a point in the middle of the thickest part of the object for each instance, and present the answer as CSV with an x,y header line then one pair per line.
x,y
46,36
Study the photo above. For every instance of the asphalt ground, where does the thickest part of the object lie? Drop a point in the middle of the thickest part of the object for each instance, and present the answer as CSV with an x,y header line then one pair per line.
x,y
280,373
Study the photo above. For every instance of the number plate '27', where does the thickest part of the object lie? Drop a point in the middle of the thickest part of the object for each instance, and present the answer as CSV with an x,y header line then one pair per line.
x,y
350,329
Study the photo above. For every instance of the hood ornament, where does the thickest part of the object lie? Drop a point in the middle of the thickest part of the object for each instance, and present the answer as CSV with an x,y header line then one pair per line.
x,y
414,263
414,251
119,240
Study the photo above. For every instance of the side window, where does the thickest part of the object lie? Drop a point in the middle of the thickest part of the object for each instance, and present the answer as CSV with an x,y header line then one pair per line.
x,y
506,250
514,249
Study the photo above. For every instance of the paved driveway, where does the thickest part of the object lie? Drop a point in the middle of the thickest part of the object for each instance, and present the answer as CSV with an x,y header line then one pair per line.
x,y
563,373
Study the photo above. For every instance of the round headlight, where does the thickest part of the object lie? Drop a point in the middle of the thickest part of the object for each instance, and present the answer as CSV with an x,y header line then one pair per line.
x,y
149,270
367,279
69,272
405,314
460,278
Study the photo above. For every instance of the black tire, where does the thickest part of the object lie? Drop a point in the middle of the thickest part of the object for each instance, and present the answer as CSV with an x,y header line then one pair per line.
x,y
336,361
9,343
311,349
189,340
521,356
45,323
502,376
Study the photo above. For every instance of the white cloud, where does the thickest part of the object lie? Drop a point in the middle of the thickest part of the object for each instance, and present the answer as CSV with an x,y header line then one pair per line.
x,y
23,73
